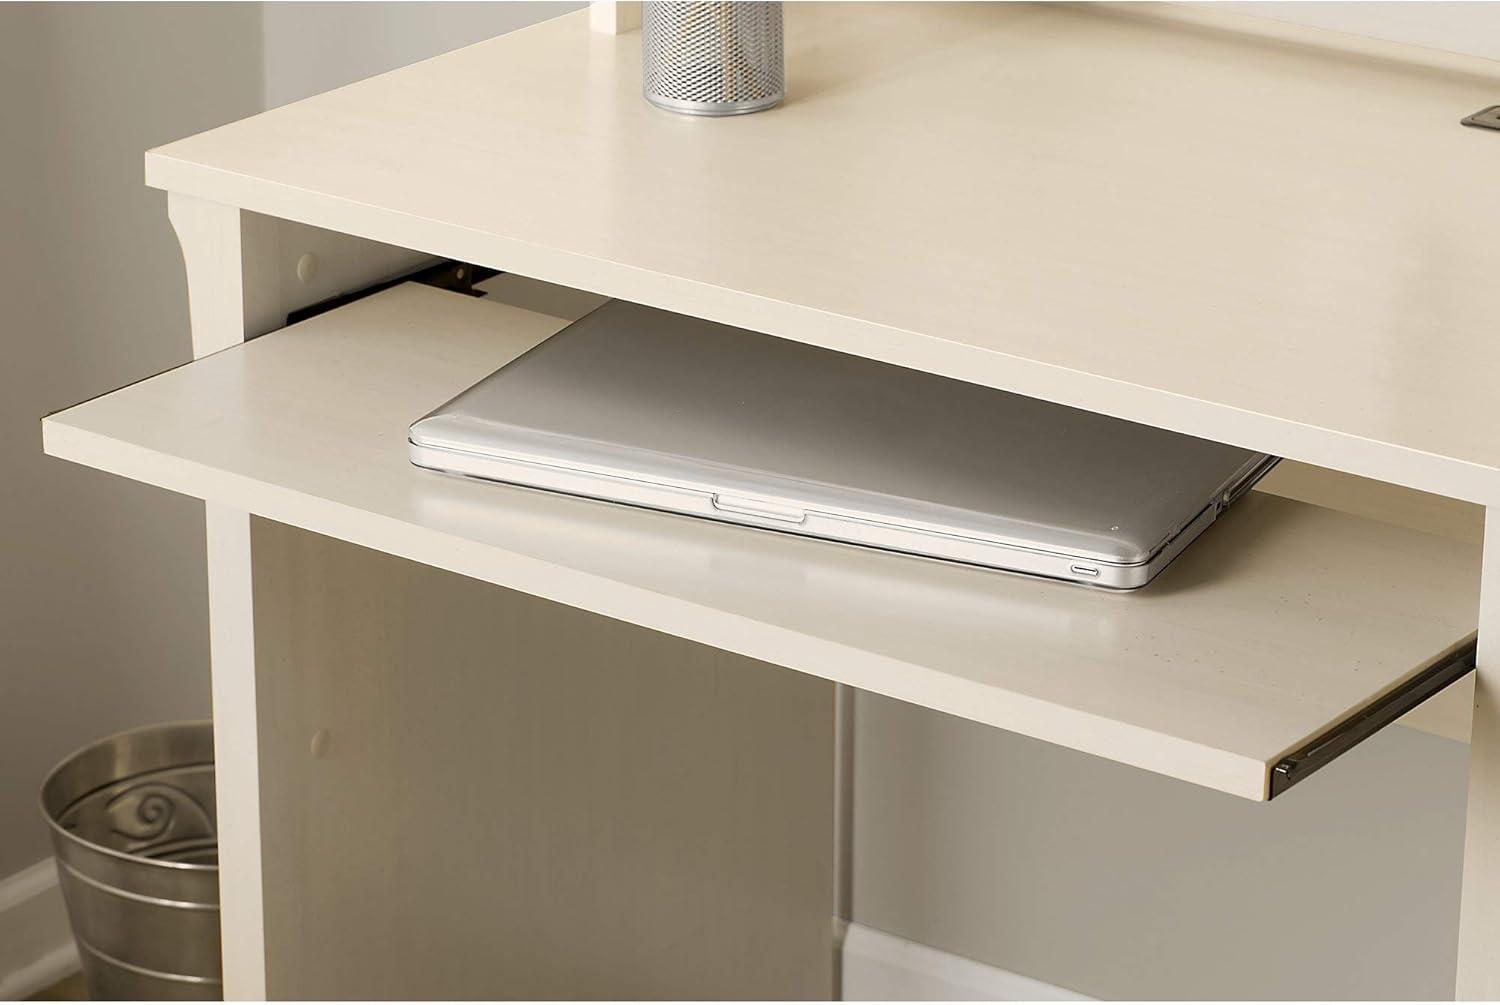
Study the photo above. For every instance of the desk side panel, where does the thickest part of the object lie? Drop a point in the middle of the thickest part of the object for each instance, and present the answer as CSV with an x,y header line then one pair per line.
x,y
471,792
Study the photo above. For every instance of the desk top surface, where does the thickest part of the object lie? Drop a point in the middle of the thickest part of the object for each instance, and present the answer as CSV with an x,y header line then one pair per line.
x,y
1282,239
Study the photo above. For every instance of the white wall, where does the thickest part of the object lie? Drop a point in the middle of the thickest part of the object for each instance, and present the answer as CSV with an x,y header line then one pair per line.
x,y
102,608
1116,883
102,611
962,840
313,47
1472,29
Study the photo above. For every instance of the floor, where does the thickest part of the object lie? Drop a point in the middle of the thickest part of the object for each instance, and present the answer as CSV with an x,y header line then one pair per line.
x,y
69,989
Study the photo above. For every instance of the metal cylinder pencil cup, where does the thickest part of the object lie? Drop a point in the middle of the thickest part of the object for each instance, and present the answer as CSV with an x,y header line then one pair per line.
x,y
712,58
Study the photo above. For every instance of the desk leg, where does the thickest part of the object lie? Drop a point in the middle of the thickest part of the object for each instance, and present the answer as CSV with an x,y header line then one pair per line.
x,y
236,751
224,250
1479,919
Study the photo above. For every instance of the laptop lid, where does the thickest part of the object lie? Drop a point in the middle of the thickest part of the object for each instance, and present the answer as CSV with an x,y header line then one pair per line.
x,y
631,392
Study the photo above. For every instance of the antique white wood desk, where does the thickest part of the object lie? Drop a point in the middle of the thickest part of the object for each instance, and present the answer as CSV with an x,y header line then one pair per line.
x,y
1272,237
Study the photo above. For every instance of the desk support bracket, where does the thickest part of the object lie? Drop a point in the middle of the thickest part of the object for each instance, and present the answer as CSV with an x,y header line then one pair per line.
x,y
459,277
1369,720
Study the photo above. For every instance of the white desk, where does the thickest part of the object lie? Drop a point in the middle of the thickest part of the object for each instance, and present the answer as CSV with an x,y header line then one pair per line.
x,y
1269,237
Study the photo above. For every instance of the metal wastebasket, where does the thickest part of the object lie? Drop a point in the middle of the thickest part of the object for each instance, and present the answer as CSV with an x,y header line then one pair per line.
x,y
135,835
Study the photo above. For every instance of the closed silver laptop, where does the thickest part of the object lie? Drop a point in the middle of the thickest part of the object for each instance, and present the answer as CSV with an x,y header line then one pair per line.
x,y
640,406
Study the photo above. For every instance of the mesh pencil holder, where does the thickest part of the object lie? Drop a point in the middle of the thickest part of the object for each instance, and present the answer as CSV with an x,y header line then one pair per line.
x,y
712,58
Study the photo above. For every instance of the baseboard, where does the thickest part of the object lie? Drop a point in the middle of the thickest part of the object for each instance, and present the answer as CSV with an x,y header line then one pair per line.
x,y
36,945
882,967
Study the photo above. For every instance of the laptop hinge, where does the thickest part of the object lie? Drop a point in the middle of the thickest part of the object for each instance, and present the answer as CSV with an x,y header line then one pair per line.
x,y
1246,482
